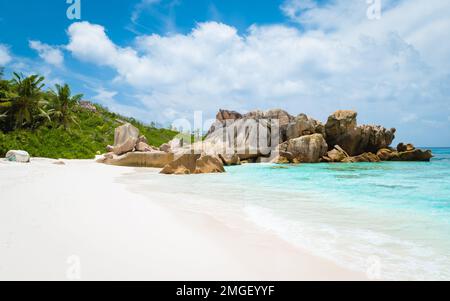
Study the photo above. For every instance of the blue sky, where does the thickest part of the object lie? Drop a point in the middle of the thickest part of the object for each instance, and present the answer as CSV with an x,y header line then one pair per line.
x,y
159,60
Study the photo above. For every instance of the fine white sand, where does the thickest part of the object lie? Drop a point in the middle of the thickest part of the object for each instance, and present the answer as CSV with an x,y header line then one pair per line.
x,y
80,221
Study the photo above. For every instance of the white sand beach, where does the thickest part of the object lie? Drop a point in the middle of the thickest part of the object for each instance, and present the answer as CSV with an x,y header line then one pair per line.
x,y
53,217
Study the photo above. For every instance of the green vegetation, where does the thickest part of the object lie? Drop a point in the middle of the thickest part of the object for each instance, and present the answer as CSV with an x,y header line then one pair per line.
x,y
55,124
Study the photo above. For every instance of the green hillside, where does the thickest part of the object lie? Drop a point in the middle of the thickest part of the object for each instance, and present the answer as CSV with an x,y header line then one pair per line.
x,y
54,124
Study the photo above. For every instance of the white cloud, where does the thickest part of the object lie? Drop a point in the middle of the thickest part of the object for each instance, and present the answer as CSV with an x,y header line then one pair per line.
x,y
140,7
104,96
388,70
5,57
51,55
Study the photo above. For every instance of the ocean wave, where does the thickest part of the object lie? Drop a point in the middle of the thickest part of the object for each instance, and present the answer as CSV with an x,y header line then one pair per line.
x,y
357,248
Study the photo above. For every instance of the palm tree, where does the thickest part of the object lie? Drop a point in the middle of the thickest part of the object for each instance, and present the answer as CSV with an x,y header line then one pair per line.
x,y
27,103
62,105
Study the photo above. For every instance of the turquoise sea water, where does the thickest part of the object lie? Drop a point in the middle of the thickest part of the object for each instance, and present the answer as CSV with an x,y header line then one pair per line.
x,y
390,219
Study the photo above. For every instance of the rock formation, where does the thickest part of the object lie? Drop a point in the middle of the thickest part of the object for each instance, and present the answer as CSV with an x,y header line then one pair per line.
x,y
337,154
306,149
194,164
341,129
366,157
346,141
130,149
125,139
303,126
154,159
274,136
133,150
404,153
230,160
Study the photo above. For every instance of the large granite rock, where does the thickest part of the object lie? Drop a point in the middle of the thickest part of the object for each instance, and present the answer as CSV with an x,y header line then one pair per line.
x,y
415,155
228,118
17,156
337,154
407,153
209,164
306,149
125,147
283,118
230,160
341,129
366,157
249,138
125,139
303,126
256,115
154,159
223,117
194,164
228,115
124,132
143,147
401,147
165,148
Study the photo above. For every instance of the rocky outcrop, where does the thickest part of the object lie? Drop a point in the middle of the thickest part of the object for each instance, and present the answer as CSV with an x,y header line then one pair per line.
x,y
165,148
405,153
262,137
154,159
186,164
230,160
133,150
194,164
143,147
248,138
366,157
123,133
306,149
223,117
416,155
256,115
17,156
227,115
387,154
125,147
337,154
405,147
303,126
209,164
341,129
125,139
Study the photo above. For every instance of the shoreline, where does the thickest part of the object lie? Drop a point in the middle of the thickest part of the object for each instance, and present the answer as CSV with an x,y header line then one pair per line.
x,y
119,233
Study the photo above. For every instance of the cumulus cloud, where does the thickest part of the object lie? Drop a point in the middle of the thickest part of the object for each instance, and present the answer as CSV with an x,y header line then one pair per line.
x,y
5,57
388,70
51,55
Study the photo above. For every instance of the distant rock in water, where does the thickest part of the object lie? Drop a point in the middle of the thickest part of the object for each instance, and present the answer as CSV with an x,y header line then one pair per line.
x,y
17,156
337,154
366,157
342,129
255,137
404,153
